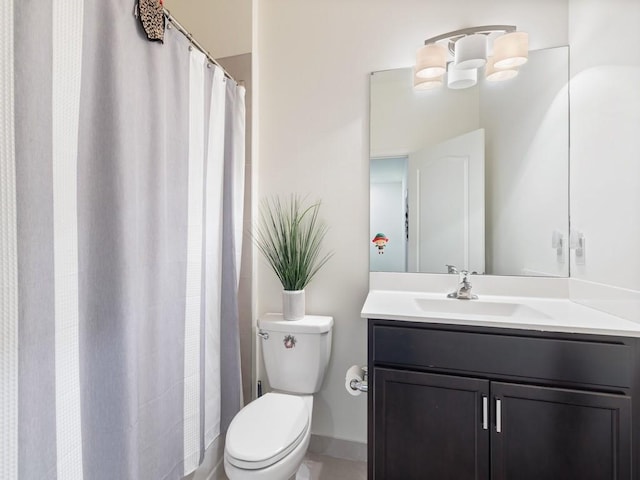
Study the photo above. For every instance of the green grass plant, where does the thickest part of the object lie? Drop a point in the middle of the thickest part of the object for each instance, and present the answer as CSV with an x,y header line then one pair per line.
x,y
289,235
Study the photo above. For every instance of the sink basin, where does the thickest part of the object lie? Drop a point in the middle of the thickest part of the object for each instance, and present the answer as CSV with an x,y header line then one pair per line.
x,y
477,307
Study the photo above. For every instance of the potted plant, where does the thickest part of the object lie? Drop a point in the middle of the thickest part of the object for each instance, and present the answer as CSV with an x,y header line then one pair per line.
x,y
289,235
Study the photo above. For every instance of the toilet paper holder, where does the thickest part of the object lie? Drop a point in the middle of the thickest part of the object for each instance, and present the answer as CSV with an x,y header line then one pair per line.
x,y
361,385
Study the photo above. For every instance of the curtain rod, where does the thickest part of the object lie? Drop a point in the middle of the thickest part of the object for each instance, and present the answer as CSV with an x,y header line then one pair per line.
x,y
195,43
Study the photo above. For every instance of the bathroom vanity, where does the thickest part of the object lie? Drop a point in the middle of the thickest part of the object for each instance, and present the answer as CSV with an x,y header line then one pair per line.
x,y
524,389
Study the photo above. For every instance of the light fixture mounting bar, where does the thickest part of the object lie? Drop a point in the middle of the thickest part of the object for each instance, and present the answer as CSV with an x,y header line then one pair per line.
x,y
463,32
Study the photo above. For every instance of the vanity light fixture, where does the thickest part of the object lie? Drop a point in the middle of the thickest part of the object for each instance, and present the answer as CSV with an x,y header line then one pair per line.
x,y
461,53
470,52
459,78
493,74
511,49
431,61
427,83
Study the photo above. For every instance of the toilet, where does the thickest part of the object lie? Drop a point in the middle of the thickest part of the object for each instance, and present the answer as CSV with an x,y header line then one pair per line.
x,y
269,437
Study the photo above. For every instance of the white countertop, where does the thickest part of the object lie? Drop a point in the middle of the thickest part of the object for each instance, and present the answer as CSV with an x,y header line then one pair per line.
x,y
530,313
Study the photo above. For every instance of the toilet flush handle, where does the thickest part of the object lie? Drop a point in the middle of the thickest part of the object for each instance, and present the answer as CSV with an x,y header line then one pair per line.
x,y
262,334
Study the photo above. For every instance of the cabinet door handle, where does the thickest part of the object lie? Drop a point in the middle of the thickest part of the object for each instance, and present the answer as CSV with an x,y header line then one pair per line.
x,y
498,415
485,412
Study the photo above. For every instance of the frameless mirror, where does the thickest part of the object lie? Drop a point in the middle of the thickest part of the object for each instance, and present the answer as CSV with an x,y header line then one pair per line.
x,y
475,178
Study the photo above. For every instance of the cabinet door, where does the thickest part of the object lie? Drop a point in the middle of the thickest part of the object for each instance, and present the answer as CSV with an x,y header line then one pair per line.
x,y
429,426
546,433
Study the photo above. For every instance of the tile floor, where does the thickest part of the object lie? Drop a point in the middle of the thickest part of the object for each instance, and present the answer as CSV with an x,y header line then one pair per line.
x,y
321,467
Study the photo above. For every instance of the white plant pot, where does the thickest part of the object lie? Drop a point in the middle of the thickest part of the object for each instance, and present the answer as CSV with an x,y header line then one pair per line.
x,y
293,304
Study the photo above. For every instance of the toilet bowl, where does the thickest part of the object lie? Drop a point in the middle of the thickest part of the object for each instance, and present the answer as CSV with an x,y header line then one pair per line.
x,y
268,438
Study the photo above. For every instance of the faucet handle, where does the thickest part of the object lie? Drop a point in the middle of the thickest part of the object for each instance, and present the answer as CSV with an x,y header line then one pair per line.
x,y
464,276
451,268
464,287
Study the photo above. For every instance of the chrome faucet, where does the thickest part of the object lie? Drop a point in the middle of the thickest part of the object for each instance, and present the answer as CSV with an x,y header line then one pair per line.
x,y
463,292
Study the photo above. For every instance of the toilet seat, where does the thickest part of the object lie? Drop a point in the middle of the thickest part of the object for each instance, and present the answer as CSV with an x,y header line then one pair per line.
x,y
266,430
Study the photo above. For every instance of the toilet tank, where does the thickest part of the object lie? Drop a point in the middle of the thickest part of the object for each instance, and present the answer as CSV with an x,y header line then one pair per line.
x,y
296,353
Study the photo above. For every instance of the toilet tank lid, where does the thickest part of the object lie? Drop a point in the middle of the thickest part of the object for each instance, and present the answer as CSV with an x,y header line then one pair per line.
x,y
309,324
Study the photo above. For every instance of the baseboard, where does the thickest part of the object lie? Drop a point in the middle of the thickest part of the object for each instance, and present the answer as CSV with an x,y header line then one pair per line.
x,y
212,467
218,472
338,448
621,302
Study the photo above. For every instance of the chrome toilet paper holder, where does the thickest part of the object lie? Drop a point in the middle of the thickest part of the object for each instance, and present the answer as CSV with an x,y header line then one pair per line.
x,y
361,385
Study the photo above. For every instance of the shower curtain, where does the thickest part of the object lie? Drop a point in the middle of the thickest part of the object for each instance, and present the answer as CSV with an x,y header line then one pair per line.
x,y
121,174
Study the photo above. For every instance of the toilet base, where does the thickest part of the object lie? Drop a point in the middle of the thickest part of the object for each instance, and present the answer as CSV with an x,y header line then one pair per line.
x,y
286,468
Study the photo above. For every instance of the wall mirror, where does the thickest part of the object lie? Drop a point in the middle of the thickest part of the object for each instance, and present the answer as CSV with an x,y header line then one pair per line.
x,y
476,178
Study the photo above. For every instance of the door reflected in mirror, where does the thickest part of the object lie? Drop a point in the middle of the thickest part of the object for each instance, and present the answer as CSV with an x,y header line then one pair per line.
x,y
476,178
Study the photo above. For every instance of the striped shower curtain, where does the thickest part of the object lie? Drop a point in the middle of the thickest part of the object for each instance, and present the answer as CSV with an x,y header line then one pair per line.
x,y
121,173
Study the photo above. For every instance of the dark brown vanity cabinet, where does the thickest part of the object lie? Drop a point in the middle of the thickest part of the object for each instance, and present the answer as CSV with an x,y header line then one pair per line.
x,y
428,426
458,403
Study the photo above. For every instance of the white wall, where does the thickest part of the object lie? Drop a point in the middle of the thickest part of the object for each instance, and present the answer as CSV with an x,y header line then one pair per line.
x,y
405,120
527,167
222,27
313,65
387,200
605,139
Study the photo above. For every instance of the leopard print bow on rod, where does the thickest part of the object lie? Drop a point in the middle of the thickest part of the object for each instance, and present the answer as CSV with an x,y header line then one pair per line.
x,y
151,15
